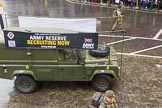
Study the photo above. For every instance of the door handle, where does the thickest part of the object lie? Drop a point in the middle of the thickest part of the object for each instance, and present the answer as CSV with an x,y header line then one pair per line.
x,y
28,53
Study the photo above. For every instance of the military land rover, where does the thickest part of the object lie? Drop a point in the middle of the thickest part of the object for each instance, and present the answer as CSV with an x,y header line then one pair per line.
x,y
49,63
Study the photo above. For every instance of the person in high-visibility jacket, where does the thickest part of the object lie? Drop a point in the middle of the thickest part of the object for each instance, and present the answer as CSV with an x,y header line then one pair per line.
x,y
1,8
1,18
118,15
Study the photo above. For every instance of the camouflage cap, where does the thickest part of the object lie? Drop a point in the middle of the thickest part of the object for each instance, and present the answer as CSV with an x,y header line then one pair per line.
x,y
109,93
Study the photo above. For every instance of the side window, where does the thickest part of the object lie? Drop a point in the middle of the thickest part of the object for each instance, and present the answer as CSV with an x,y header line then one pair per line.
x,y
67,55
62,54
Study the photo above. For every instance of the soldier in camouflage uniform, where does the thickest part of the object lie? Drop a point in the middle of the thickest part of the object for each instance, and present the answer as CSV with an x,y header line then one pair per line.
x,y
118,15
109,100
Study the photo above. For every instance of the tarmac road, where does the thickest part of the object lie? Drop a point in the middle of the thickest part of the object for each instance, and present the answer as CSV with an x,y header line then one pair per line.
x,y
136,23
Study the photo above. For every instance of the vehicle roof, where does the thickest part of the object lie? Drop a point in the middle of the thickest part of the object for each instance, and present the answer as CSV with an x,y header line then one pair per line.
x,y
41,30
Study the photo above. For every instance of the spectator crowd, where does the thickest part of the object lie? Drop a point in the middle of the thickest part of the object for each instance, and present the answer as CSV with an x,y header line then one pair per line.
x,y
135,4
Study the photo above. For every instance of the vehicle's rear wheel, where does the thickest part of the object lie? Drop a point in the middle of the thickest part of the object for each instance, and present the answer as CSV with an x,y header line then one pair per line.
x,y
102,83
25,84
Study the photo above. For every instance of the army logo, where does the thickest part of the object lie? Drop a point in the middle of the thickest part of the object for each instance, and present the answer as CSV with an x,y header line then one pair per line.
x,y
88,43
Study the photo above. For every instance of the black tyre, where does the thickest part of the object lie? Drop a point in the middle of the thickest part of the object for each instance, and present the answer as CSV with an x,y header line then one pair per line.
x,y
102,51
25,84
102,83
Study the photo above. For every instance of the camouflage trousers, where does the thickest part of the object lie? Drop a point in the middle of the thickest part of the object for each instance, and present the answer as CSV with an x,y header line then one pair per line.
x,y
119,22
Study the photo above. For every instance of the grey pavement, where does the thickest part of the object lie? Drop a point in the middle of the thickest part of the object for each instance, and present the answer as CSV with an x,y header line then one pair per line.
x,y
6,87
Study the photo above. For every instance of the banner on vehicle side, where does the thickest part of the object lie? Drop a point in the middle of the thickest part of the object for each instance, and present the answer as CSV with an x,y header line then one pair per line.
x,y
16,39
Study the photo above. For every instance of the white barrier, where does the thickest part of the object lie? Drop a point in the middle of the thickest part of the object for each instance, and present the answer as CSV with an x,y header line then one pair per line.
x,y
76,24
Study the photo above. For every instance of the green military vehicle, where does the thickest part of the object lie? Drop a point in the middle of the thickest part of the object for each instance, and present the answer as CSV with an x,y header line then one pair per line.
x,y
29,65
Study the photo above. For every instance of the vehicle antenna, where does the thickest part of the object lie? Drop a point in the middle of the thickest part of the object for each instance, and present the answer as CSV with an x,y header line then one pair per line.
x,y
122,49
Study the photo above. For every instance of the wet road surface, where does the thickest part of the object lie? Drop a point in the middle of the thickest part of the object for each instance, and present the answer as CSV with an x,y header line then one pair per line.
x,y
136,23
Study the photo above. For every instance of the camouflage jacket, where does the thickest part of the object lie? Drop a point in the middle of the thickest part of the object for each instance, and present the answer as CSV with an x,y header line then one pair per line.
x,y
108,105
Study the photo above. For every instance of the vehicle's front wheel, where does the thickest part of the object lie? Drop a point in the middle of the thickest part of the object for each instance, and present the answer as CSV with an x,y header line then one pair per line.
x,y
102,83
25,84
